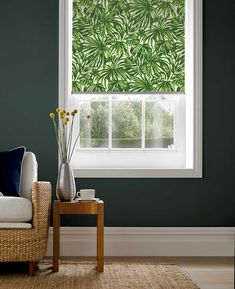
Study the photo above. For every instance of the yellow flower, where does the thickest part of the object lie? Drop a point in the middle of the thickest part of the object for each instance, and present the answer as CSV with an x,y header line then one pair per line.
x,y
57,110
72,113
75,111
64,111
67,119
52,115
61,113
67,113
65,122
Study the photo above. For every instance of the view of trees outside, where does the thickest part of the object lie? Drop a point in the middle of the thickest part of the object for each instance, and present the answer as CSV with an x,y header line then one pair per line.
x,y
126,124
126,129
94,132
159,125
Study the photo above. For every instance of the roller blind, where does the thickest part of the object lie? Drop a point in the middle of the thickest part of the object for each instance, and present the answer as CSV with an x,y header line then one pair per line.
x,y
128,46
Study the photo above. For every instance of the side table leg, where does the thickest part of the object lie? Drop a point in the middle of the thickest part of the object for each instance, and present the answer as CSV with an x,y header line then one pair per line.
x,y
100,238
56,237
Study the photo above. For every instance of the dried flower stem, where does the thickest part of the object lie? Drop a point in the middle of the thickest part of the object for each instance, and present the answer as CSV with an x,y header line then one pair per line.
x,y
64,133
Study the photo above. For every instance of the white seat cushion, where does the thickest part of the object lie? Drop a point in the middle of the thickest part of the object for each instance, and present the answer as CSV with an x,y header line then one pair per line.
x,y
29,175
15,225
15,209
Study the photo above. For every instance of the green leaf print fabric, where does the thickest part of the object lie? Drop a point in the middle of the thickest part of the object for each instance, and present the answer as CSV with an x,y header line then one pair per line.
x,y
128,46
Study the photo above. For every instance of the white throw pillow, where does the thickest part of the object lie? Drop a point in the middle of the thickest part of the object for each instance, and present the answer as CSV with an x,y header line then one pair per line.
x,y
29,175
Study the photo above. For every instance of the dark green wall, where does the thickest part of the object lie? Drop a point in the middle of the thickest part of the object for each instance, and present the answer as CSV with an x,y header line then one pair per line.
x,y
28,92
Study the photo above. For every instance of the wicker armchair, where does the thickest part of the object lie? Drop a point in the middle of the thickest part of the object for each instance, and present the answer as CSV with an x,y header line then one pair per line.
x,y
29,244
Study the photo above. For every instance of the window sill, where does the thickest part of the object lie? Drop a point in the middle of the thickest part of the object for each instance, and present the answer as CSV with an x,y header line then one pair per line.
x,y
138,173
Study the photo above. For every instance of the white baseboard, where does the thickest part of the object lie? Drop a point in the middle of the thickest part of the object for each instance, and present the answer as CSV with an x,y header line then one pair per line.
x,y
147,241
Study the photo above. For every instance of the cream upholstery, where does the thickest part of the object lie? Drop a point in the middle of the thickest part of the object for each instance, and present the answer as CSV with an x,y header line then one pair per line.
x,y
15,225
15,209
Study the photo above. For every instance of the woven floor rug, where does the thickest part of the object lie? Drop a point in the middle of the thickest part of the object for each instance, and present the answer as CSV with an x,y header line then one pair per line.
x,y
117,275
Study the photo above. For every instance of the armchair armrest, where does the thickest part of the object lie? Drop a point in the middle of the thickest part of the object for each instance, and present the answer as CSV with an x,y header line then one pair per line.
x,y
41,201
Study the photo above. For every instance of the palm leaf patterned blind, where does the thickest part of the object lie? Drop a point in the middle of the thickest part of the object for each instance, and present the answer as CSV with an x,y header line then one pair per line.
x,y
128,46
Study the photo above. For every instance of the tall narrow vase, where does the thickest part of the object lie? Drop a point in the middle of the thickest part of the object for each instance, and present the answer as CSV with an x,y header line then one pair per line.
x,y
65,188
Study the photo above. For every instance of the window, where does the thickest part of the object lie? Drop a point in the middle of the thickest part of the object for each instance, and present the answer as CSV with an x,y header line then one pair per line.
x,y
134,67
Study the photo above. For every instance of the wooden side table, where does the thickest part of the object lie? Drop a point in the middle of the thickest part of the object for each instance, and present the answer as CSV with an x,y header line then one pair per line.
x,y
83,208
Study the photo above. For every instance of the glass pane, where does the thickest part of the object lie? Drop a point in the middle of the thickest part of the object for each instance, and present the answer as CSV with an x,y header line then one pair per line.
x,y
94,129
126,126
159,124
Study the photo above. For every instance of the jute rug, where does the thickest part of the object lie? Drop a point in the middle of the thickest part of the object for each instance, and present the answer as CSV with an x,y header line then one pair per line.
x,y
117,275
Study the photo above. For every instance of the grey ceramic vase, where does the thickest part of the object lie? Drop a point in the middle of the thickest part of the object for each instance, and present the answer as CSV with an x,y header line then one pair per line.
x,y
65,187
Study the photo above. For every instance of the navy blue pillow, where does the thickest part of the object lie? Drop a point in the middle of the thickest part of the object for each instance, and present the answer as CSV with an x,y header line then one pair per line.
x,y
10,170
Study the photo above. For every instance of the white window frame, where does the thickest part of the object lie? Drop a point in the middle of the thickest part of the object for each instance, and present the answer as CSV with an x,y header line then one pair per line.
x,y
193,101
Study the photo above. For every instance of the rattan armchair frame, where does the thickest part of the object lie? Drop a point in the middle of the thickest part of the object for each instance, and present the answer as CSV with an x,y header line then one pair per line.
x,y
29,245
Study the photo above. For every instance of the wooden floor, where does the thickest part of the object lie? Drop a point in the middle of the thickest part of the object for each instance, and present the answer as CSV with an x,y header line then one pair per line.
x,y
206,272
